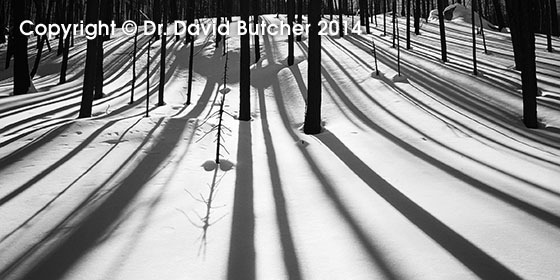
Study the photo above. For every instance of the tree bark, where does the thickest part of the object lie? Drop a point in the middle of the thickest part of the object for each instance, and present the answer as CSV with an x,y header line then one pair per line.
x,y
92,15
291,13
441,7
521,15
22,80
161,87
312,123
245,66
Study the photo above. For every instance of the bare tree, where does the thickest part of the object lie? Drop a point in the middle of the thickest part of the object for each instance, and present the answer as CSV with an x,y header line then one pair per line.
x,y
245,66
92,16
312,123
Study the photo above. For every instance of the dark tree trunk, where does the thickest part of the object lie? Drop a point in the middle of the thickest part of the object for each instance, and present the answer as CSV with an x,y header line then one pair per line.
x,y
60,20
161,88
256,21
312,123
291,17
549,27
408,24
92,15
21,69
518,54
156,15
499,16
2,22
475,70
331,8
554,18
66,51
519,20
300,16
218,20
417,17
340,19
384,17
441,7
190,19
245,67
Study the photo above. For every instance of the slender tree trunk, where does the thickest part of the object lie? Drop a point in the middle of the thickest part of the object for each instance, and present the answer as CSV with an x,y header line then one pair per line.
x,y
66,51
300,16
549,28
22,80
554,17
161,88
340,19
417,17
256,21
291,12
92,16
408,3
2,22
190,19
473,24
245,67
331,8
384,17
442,30
312,123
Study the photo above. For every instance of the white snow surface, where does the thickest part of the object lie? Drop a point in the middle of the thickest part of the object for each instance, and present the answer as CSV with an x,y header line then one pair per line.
x,y
462,14
430,175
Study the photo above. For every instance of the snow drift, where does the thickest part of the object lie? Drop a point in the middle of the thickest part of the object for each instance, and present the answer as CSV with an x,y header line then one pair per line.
x,y
459,13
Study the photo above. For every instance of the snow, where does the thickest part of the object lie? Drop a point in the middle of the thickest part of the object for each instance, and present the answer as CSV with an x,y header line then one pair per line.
x,y
426,175
461,14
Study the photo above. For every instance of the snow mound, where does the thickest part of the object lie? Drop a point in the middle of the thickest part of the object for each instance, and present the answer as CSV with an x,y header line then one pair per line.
x,y
461,14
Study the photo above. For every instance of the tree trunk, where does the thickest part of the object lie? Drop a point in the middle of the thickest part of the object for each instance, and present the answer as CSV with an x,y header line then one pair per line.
x,y
442,30
554,18
300,16
520,18
256,21
499,16
312,123
291,12
475,70
66,51
245,66
408,24
417,17
21,69
161,88
340,19
92,15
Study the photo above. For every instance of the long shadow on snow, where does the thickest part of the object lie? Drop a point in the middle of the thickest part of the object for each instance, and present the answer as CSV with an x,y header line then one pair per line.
x,y
241,264
122,135
52,234
462,249
474,106
286,237
91,228
422,106
520,204
55,165
371,248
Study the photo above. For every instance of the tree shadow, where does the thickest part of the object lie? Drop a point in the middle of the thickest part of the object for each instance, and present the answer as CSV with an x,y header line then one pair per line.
x,y
55,263
241,262
479,262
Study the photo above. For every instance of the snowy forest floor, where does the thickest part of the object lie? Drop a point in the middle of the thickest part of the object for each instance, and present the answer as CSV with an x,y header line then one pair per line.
x,y
429,177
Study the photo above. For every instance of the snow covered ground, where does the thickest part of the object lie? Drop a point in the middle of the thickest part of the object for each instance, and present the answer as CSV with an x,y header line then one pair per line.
x,y
430,177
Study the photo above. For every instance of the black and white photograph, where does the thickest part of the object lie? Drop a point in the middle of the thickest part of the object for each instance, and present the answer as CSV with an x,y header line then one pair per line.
x,y
279,139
